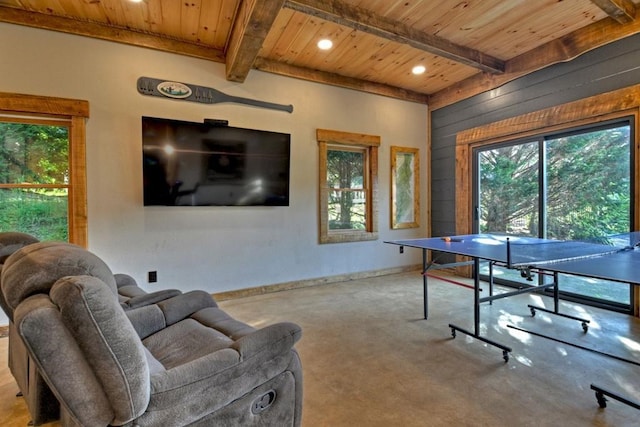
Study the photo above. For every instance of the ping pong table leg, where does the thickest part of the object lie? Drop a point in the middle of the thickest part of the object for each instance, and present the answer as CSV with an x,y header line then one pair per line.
x,y
425,295
556,306
476,296
556,292
476,316
490,281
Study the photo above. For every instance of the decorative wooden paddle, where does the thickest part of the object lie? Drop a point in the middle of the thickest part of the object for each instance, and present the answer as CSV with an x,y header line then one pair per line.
x,y
204,95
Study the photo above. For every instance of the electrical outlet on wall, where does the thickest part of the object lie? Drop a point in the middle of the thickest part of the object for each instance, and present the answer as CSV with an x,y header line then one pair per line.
x,y
152,277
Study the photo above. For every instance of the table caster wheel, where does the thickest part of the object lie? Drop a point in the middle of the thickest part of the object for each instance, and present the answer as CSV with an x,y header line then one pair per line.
x,y
602,401
533,311
505,356
453,333
585,327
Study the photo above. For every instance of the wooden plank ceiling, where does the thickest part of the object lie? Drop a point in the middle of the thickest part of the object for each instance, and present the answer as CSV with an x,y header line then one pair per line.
x,y
466,46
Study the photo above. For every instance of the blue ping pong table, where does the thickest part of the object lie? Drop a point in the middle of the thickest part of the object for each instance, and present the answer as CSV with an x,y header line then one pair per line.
x,y
614,258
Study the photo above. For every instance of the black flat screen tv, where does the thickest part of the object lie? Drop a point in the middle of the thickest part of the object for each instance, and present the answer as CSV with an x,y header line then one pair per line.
x,y
209,164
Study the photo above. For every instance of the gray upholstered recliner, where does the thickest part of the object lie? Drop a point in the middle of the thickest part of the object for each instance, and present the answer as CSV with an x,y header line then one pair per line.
x,y
41,402
182,361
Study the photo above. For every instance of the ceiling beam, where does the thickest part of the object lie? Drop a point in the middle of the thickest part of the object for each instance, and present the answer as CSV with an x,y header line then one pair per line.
x,y
251,26
108,32
364,20
332,79
623,11
563,49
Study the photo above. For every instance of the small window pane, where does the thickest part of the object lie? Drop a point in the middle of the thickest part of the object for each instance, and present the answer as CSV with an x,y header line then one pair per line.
x,y
345,169
347,197
589,190
34,154
508,189
347,210
41,213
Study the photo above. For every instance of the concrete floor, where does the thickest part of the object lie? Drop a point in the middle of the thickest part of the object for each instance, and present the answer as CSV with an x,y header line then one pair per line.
x,y
370,359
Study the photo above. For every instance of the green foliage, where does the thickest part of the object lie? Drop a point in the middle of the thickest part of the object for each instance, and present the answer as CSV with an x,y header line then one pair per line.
x,y
43,215
345,177
587,186
509,186
34,154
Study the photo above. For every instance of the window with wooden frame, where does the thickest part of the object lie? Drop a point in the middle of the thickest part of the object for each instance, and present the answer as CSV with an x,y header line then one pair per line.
x,y
42,167
348,186
598,109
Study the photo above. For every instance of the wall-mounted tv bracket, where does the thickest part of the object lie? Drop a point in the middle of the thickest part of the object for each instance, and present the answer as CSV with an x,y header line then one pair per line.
x,y
204,95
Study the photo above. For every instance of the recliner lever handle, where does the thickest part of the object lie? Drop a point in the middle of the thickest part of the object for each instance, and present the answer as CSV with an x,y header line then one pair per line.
x,y
263,402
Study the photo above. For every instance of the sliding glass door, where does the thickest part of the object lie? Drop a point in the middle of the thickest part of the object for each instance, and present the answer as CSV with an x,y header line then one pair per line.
x,y
575,185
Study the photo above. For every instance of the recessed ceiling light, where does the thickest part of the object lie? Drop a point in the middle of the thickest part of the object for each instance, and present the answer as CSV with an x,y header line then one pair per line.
x,y
325,44
418,69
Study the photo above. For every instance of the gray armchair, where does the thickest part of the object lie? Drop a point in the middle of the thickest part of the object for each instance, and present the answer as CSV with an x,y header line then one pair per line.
x,y
41,403
182,361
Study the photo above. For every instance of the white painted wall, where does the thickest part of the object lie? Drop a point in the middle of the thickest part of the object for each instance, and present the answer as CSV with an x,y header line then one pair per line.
x,y
211,248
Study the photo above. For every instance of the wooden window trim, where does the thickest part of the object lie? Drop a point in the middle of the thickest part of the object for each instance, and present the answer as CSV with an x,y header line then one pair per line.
x,y
326,139
76,112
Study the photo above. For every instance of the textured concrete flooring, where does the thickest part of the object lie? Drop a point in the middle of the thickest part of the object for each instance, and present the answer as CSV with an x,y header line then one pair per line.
x,y
369,359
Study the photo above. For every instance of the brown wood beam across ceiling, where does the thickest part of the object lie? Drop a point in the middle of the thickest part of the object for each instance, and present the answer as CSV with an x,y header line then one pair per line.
x,y
332,79
252,24
106,32
563,49
363,20
623,11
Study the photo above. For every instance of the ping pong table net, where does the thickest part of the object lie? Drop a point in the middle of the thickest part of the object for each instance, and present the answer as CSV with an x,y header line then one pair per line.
x,y
542,252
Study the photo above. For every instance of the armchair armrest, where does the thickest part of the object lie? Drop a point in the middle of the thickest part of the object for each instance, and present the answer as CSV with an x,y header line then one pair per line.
x,y
124,280
149,319
184,305
269,341
150,298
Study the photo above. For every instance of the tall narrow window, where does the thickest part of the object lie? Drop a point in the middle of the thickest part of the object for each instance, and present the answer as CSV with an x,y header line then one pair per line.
x,y
348,186
346,179
42,167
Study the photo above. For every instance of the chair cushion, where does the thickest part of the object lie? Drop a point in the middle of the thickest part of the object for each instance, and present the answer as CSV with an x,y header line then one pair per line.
x,y
218,319
185,341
